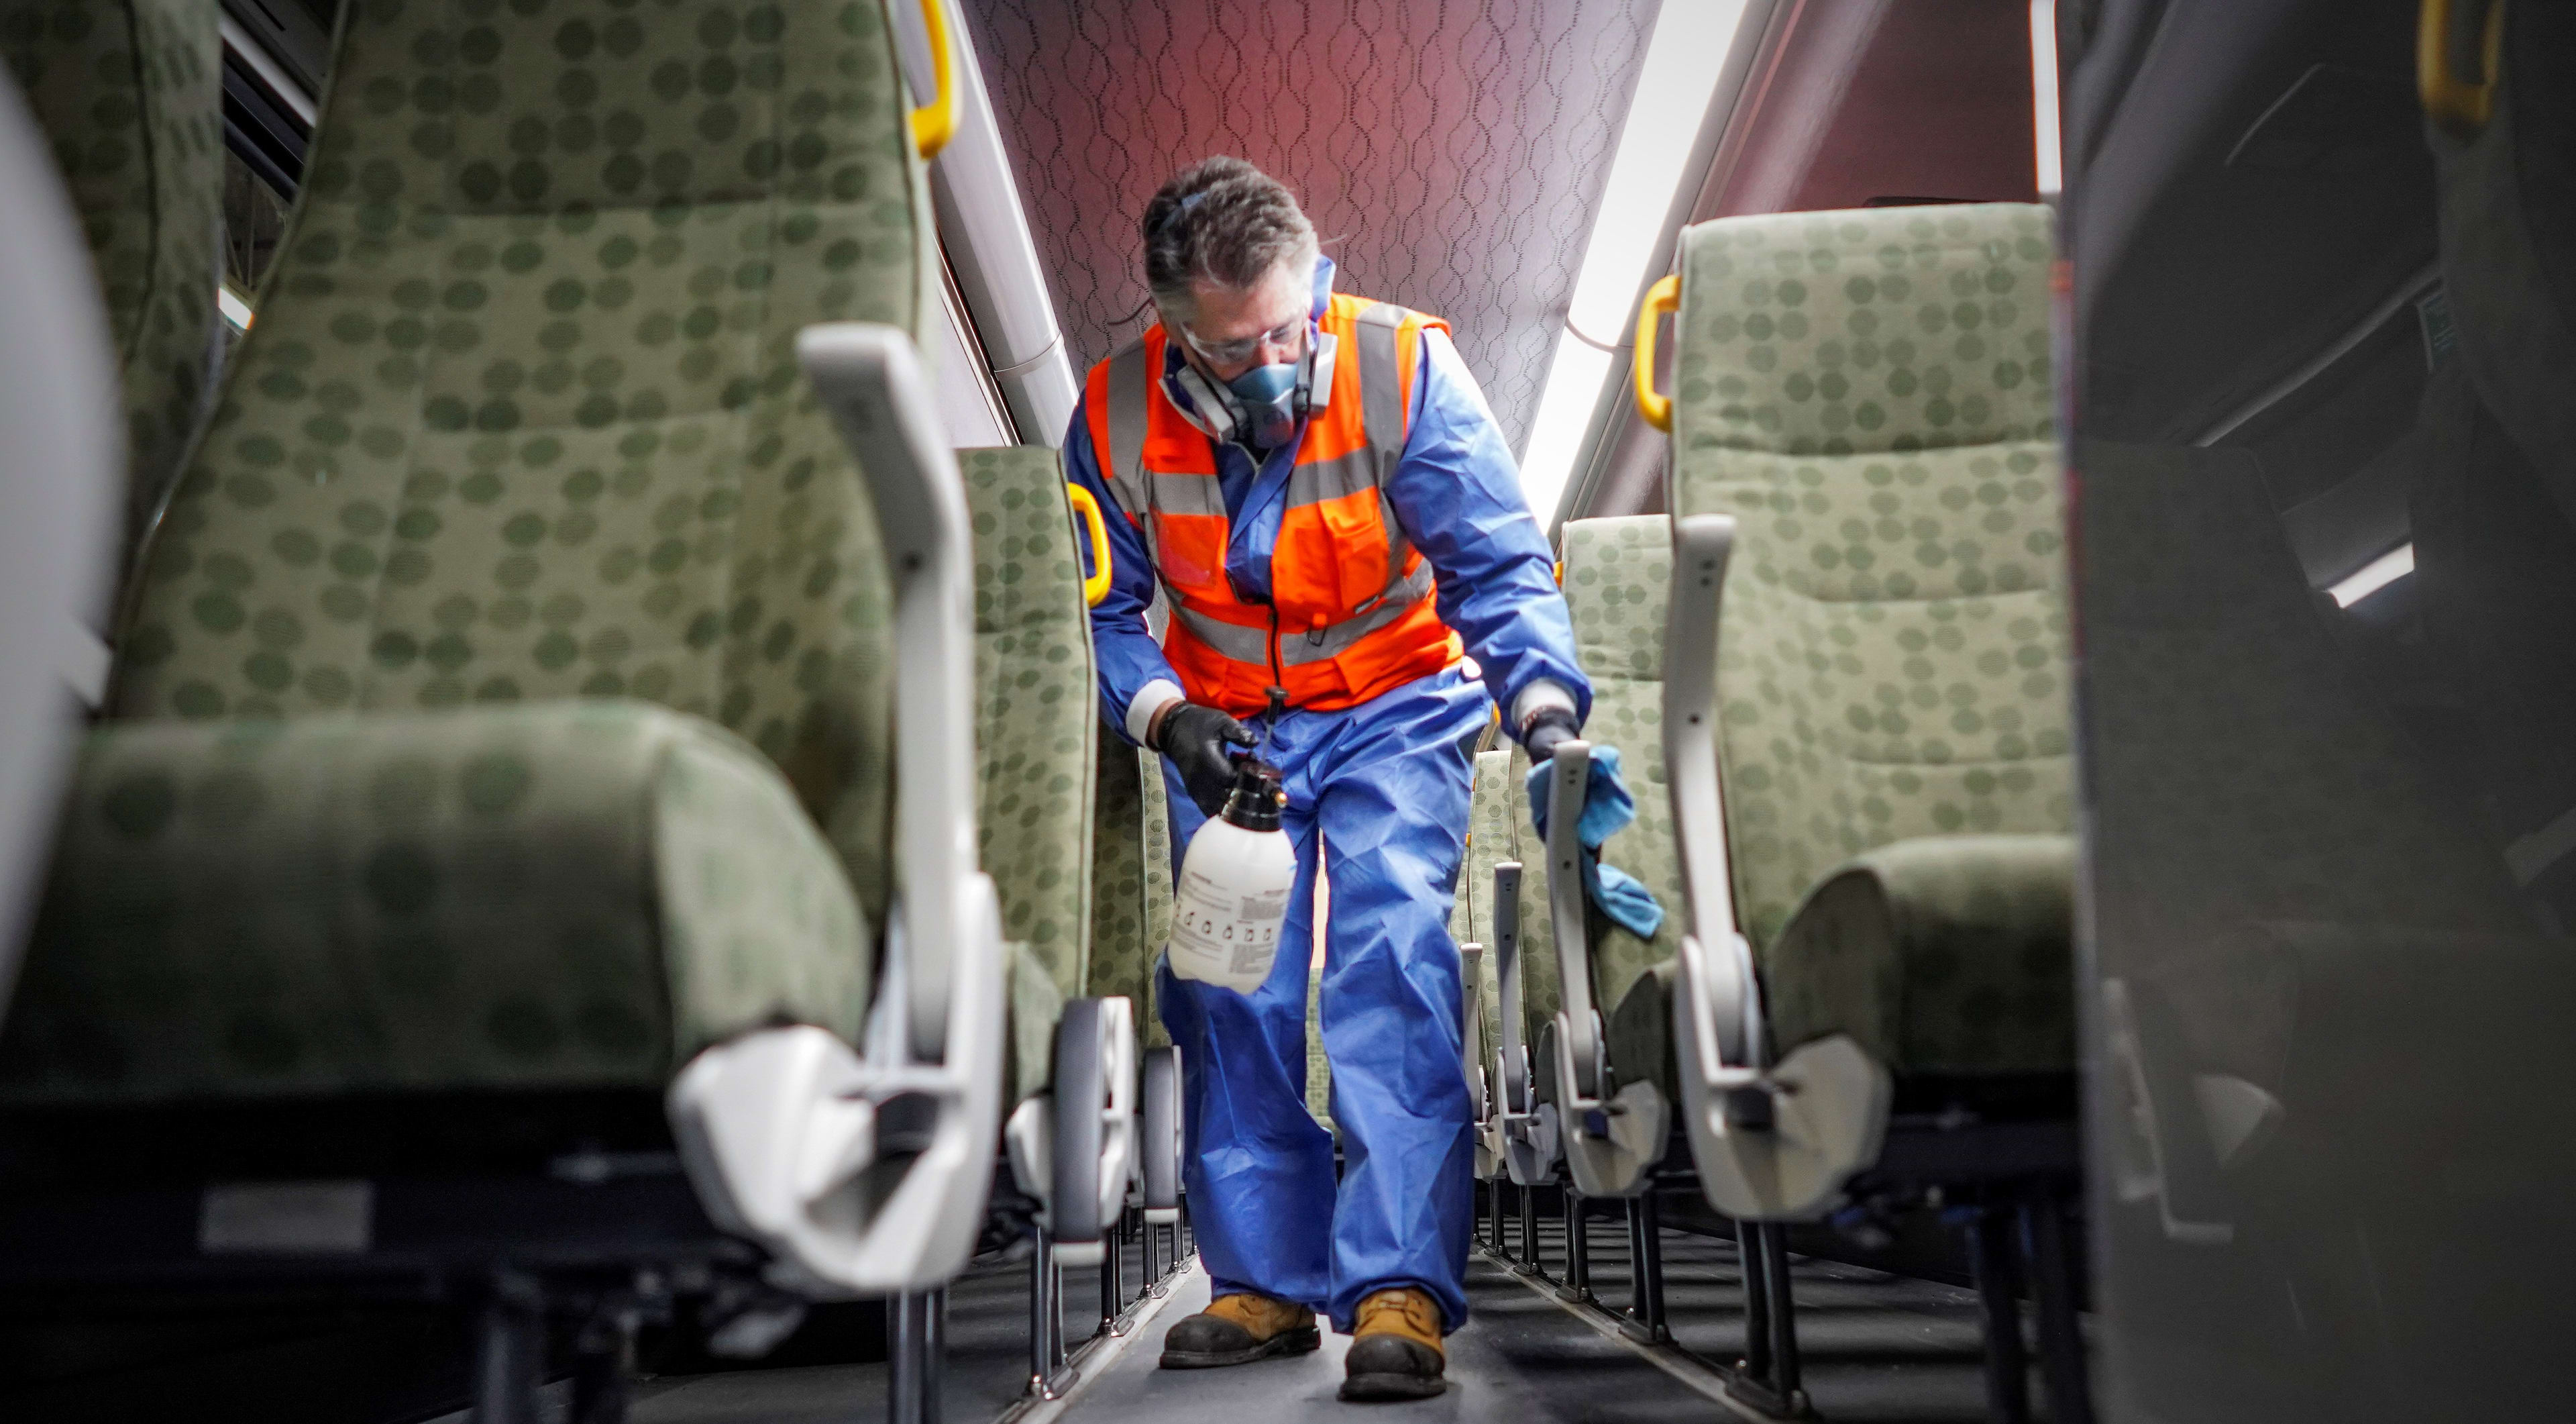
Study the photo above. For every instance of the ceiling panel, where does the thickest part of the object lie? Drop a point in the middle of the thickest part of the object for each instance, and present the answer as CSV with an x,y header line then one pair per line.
x,y
1450,154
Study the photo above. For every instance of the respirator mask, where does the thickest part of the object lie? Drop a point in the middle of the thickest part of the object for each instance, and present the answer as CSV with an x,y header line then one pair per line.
x,y
1260,408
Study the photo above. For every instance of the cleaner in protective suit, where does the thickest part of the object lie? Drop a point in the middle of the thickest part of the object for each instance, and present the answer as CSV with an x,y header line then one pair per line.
x,y
1331,511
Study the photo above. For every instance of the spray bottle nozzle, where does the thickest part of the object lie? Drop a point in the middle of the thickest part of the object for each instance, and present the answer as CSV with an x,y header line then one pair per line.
x,y
1257,797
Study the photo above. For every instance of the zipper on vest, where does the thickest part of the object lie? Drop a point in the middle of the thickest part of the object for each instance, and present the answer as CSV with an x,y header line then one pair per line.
x,y
1278,666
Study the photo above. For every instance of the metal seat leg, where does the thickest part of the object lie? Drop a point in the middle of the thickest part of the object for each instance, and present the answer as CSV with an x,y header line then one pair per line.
x,y
1577,1285
1990,1252
603,1368
509,1351
1645,1320
1113,1268
1048,1376
1530,1264
1768,1378
918,1354
2061,1341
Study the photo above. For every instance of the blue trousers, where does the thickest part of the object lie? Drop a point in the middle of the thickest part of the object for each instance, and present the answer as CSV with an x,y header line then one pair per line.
x,y
1384,787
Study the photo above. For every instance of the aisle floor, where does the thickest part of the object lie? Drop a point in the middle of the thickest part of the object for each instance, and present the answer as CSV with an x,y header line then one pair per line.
x,y
1879,1349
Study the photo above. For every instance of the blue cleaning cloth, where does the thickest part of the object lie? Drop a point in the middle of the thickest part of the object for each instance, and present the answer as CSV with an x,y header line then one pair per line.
x,y
1607,810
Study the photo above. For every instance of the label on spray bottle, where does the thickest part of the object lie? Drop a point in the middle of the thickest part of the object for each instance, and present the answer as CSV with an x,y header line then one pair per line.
x,y
1233,934
1232,895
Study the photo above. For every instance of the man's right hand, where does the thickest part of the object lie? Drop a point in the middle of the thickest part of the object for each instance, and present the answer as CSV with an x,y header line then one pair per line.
x,y
1195,738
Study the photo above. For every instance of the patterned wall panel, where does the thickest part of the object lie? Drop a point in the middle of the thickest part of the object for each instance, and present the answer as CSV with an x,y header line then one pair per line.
x,y
1450,154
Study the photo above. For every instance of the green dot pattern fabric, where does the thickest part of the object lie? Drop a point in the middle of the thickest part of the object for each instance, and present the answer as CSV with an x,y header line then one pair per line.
x,y
1617,575
1122,951
521,418
1035,721
519,435
127,94
1868,393
577,894
1945,955
1033,1006
1540,994
1490,842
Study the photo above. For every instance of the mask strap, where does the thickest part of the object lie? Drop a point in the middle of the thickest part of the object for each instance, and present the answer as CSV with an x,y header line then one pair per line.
x,y
1201,403
1315,380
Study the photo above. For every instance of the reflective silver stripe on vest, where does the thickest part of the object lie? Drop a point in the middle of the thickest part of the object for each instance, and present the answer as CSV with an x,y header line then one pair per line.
x,y
1334,639
1168,493
1382,413
1233,640
1252,645
1319,480
1381,390
1128,412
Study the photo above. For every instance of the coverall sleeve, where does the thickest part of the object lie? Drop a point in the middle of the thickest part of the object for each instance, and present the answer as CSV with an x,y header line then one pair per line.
x,y
1457,496
1135,677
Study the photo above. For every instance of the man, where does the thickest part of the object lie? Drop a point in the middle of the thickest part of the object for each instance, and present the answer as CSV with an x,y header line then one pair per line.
x,y
1319,489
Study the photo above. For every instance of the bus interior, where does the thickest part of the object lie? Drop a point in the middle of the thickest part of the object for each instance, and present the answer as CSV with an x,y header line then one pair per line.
x,y
561,860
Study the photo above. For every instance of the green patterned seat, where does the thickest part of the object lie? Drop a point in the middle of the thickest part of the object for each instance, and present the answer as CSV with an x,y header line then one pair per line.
x,y
1131,877
1867,393
128,94
1490,842
1035,733
518,445
1617,573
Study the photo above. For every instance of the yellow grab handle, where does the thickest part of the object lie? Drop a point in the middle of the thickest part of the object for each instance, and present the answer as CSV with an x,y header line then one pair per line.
x,y
1662,297
1095,584
2458,106
935,123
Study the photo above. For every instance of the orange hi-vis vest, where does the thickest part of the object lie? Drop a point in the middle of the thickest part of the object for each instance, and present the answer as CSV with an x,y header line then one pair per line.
x,y
1351,613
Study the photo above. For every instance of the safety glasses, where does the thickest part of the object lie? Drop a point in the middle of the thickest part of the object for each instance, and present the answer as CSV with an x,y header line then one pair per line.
x,y
1235,353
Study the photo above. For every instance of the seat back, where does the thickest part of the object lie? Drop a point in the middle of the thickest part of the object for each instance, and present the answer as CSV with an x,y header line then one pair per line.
x,y
1617,574
1491,840
2508,225
1034,720
1868,394
1130,858
2494,479
129,96
521,416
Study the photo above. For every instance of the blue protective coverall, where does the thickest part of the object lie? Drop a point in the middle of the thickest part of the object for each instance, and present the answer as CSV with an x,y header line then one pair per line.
x,y
1383,788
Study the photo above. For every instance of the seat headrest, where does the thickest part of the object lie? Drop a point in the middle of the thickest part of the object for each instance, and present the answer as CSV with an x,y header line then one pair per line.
x,y
1874,329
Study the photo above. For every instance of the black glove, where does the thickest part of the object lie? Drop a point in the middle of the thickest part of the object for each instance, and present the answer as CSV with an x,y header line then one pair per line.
x,y
1545,731
1194,737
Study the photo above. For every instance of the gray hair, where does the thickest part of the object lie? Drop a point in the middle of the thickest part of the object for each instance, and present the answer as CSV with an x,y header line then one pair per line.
x,y
1223,222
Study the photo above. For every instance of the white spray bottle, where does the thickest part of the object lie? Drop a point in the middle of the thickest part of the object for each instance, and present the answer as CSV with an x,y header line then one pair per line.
x,y
1234,884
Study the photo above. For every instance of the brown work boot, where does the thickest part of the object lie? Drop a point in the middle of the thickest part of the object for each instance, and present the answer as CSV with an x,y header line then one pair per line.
x,y
1395,1347
1239,1329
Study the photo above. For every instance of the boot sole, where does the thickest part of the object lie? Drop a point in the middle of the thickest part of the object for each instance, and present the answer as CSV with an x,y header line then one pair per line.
x,y
1286,1342
1382,1388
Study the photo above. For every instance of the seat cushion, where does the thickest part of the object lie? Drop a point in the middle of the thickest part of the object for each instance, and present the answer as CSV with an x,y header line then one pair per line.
x,y
579,894
1640,1032
1035,711
1948,955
